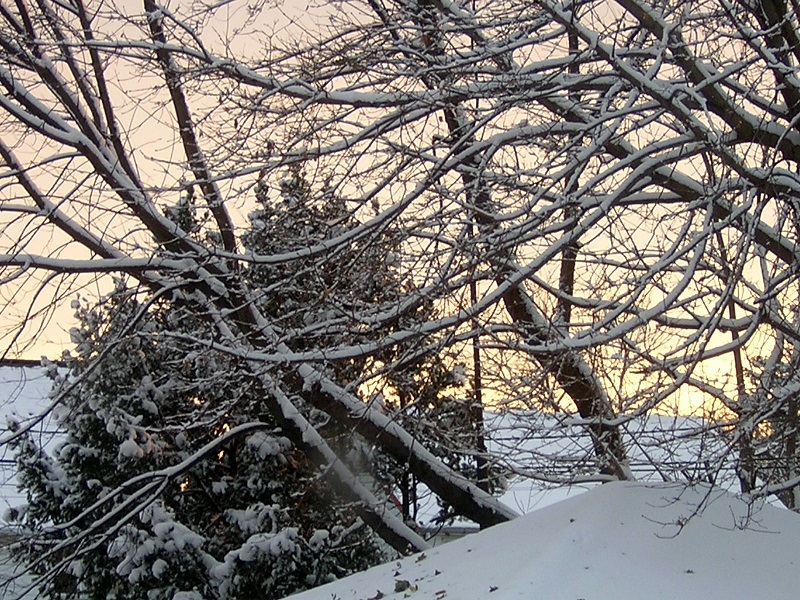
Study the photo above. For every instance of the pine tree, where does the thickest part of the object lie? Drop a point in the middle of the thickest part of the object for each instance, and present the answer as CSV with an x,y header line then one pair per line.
x,y
319,300
252,518
769,417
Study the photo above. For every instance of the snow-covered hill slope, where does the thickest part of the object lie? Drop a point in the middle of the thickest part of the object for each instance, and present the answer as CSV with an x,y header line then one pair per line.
x,y
620,541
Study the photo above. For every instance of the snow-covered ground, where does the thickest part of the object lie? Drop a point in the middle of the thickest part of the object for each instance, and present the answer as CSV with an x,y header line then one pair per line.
x,y
620,541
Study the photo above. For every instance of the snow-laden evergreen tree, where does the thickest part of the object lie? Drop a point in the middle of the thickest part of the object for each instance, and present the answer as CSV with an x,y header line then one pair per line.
x,y
250,517
146,398
316,299
320,298
769,420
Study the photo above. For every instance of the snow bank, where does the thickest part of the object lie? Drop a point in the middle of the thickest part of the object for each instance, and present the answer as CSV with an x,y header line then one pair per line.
x,y
616,542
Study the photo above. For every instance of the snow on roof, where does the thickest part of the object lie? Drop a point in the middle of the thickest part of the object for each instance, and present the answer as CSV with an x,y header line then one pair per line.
x,y
543,454
619,541
24,392
522,441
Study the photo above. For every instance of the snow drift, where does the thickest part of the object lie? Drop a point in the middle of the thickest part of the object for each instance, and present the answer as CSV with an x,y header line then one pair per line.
x,y
619,541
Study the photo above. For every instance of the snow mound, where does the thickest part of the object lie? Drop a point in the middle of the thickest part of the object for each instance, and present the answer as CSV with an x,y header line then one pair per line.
x,y
619,541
